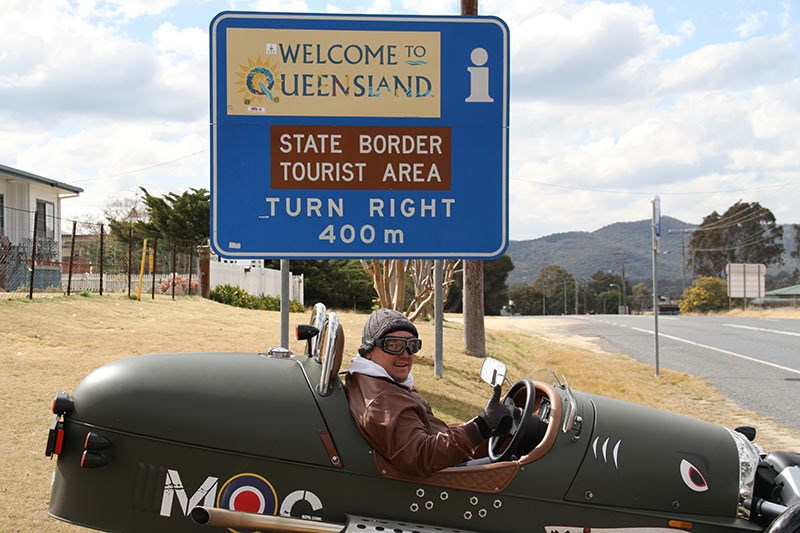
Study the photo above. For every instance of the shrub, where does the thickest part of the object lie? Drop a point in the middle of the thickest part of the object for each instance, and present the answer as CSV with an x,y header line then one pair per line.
x,y
706,294
238,297
181,286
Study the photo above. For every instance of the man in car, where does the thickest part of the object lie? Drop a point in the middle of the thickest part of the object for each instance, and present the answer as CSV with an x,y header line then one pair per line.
x,y
395,418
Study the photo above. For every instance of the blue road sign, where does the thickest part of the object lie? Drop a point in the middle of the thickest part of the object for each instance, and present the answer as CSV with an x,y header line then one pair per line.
x,y
343,136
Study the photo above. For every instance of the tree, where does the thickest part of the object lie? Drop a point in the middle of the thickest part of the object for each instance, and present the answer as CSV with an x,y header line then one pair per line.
x,y
495,290
745,233
130,209
706,294
184,216
551,281
598,294
389,279
125,214
341,284
174,216
527,300
642,297
796,251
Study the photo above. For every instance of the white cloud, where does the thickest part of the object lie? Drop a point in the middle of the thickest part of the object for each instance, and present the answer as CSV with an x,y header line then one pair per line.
x,y
297,6
379,7
594,52
687,28
732,65
751,23
432,7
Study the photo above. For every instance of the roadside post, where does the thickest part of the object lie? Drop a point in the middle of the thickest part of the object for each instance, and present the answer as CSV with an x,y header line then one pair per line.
x,y
656,225
358,136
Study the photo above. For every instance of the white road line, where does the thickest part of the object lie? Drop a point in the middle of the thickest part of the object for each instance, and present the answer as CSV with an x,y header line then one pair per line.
x,y
720,350
765,330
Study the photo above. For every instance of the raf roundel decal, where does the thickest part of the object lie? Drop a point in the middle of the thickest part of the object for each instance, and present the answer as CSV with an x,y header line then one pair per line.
x,y
692,477
250,493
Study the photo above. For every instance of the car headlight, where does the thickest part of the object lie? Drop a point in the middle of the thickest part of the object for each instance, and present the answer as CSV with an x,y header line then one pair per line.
x,y
749,458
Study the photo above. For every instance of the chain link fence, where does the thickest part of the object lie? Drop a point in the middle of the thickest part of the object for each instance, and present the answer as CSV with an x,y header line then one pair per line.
x,y
40,253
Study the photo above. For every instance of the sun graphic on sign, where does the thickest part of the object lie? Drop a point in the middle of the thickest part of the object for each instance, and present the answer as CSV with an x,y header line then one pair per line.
x,y
258,81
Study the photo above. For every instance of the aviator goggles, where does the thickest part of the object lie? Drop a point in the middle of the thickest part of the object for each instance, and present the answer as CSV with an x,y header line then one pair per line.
x,y
396,345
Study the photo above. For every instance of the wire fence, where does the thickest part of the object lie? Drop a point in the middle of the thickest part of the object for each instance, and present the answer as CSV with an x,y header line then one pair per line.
x,y
40,253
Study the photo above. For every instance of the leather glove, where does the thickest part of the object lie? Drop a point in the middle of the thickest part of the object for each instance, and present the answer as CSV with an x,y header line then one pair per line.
x,y
496,420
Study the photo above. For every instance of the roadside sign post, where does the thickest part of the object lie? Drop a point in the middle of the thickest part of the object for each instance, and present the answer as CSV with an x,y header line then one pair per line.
x,y
656,241
343,136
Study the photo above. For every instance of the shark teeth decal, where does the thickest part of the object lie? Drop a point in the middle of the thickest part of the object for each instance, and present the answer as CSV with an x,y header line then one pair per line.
x,y
607,446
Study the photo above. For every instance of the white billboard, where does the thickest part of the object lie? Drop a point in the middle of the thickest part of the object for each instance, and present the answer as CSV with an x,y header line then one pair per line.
x,y
745,280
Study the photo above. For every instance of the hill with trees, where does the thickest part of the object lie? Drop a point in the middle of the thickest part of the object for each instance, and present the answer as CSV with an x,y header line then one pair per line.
x,y
584,253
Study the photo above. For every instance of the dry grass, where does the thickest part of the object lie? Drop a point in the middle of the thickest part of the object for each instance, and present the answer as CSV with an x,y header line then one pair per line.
x,y
50,344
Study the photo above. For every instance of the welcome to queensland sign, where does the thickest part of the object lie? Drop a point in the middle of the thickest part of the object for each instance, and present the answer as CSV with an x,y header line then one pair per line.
x,y
342,136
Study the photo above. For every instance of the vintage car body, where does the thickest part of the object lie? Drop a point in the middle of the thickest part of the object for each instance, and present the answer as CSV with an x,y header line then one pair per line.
x,y
247,441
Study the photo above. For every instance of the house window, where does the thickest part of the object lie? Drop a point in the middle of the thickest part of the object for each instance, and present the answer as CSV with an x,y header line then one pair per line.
x,y
2,215
45,219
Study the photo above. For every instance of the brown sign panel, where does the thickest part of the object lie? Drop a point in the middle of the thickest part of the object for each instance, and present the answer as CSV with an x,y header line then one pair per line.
x,y
360,158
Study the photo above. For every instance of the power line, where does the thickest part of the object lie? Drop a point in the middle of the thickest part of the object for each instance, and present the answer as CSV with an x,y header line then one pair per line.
x,y
723,222
651,193
164,163
744,243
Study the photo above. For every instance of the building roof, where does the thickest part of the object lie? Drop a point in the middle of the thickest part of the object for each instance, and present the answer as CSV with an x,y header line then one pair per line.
x,y
39,179
794,290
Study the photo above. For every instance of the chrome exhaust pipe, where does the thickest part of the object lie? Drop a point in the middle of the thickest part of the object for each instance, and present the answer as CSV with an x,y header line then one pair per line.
x,y
216,517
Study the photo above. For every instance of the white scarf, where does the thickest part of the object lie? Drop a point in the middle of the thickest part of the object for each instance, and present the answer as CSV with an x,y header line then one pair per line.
x,y
362,365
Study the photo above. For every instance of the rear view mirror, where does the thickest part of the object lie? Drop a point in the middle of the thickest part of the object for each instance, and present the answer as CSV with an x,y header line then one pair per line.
x,y
493,371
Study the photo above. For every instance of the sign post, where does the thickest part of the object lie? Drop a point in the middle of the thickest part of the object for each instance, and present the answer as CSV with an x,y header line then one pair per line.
x,y
656,231
343,136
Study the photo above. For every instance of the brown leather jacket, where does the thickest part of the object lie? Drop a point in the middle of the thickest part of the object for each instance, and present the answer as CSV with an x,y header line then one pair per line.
x,y
399,425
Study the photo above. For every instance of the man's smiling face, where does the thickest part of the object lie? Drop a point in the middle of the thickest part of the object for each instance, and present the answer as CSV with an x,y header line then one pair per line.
x,y
397,366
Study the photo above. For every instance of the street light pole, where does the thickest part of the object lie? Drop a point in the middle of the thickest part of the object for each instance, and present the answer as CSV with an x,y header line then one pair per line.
x,y
576,298
619,296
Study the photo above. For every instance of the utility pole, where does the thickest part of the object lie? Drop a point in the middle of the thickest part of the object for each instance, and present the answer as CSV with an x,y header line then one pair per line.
x,y
683,232
624,291
472,300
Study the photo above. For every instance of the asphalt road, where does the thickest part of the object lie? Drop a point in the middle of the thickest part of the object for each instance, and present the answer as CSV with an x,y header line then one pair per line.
x,y
753,361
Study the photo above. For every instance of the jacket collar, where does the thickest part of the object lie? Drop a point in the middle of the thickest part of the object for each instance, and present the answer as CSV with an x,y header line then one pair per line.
x,y
362,365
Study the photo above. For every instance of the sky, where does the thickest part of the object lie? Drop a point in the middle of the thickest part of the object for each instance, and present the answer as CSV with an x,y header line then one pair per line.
x,y
611,103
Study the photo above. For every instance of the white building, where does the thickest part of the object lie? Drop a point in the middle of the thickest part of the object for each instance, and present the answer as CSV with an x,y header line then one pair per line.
x,y
21,195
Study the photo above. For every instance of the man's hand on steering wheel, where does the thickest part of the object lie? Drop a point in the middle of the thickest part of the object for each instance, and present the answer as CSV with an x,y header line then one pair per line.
x,y
496,420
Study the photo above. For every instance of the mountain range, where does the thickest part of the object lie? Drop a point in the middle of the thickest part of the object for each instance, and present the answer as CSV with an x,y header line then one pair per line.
x,y
583,253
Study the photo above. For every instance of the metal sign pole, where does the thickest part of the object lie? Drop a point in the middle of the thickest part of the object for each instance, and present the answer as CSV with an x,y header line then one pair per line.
x,y
438,318
285,303
656,235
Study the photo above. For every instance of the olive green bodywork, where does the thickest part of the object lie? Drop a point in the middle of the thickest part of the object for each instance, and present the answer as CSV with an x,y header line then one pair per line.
x,y
187,428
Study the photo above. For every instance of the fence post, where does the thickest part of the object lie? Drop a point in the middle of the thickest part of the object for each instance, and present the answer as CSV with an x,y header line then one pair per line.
x,y
71,256
174,253
130,258
102,241
204,256
33,252
191,264
155,267
141,271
